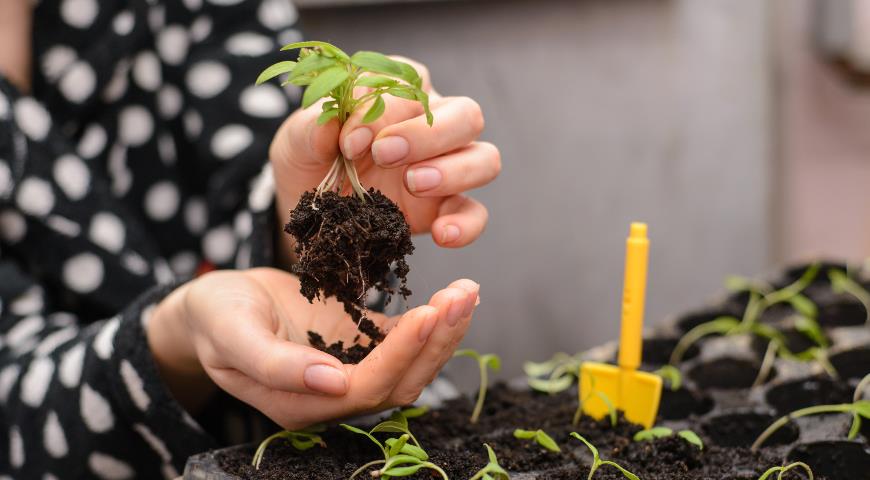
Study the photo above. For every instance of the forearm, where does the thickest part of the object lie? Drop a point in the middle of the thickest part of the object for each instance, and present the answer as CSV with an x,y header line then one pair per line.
x,y
15,28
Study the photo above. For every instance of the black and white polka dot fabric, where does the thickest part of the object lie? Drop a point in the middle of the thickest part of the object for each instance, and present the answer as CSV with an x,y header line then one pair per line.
x,y
139,158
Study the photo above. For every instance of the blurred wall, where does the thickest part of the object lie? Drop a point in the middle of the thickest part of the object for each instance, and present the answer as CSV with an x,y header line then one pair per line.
x,y
605,112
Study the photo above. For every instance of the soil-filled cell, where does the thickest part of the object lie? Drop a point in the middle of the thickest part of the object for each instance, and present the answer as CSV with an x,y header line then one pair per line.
x,y
791,396
727,373
842,313
693,319
854,363
682,403
741,429
834,460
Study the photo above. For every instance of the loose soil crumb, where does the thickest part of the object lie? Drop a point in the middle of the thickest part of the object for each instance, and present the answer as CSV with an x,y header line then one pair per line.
x,y
345,247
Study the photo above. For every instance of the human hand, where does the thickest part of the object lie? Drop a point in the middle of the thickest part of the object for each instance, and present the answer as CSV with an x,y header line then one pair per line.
x,y
247,332
424,169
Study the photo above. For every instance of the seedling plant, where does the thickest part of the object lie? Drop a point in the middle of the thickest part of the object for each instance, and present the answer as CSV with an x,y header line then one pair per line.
x,y
841,283
653,433
611,408
554,375
780,471
485,362
300,440
347,244
858,409
597,462
492,470
538,436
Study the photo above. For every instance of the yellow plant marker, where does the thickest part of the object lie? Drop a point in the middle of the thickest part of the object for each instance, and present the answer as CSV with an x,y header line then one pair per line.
x,y
636,393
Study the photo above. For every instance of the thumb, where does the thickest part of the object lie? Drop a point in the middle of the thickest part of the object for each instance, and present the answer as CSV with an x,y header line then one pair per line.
x,y
301,143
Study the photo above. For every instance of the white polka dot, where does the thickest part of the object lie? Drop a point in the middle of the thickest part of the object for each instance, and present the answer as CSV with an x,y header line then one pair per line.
x,y
169,101
63,226
156,444
183,263
135,125
57,59
192,123
193,5
35,382
117,86
107,231
32,118
146,71
135,386
172,44
4,106
230,141
104,342
5,179
147,312
277,14
166,149
70,371
134,263
29,302
123,23
62,319
78,83
53,436
156,17
16,448
263,190
243,257
207,79
121,176
12,226
196,215
290,35
24,329
51,342
224,3
219,244
200,28
95,410
161,201
293,93
93,141
72,176
79,13
35,197
108,467
263,101
163,272
243,224
8,376
249,44
83,273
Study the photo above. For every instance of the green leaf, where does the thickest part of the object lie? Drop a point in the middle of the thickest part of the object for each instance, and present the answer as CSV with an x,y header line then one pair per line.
x,y
547,441
692,438
736,283
539,369
804,305
672,374
396,444
770,471
327,48
327,116
553,385
375,111
312,64
403,91
275,70
415,412
378,63
862,407
524,434
415,451
403,471
625,472
390,426
595,457
856,426
811,329
491,454
652,434
492,361
363,432
467,352
424,99
376,81
323,85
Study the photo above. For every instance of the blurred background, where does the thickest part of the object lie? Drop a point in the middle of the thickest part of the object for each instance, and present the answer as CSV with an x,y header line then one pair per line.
x,y
737,129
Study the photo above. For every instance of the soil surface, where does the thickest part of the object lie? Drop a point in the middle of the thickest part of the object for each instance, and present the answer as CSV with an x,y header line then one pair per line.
x,y
345,247
457,446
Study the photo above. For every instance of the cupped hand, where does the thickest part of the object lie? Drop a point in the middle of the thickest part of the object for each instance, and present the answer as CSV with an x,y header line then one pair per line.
x,y
247,332
424,169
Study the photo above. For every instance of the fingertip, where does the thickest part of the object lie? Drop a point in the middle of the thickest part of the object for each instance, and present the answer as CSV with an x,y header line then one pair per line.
x,y
466,284
326,379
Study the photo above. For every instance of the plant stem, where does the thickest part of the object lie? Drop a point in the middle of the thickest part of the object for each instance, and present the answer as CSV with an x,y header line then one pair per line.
x,y
767,363
862,385
261,450
481,393
365,467
838,408
696,334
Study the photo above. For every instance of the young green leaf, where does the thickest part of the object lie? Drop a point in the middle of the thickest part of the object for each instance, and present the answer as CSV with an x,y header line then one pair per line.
x,y
376,81
803,305
672,374
376,110
692,438
300,440
327,48
323,85
540,437
415,412
597,462
327,116
275,70
780,471
365,433
652,434
313,64
491,361
378,63
551,385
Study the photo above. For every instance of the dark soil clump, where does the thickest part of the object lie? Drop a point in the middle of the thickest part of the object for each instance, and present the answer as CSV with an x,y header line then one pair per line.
x,y
345,247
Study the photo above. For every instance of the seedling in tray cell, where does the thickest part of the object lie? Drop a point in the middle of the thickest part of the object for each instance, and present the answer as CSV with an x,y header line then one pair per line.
x,y
554,375
858,409
841,282
662,432
780,471
492,470
611,408
300,440
485,362
672,375
540,437
597,462
403,456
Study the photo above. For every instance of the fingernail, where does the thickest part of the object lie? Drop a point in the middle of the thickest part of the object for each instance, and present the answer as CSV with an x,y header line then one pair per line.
x,y
389,150
423,178
455,311
449,234
427,327
356,142
470,303
325,379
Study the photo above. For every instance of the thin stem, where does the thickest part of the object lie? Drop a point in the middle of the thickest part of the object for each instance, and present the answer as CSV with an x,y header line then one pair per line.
x,y
365,467
839,408
437,469
261,450
767,363
821,356
481,393
862,385
696,334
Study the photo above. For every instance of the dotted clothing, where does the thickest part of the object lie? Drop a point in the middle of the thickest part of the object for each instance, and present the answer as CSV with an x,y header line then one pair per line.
x,y
139,157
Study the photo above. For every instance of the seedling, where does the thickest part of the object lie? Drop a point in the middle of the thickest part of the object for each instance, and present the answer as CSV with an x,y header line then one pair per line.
x,y
858,408
780,471
672,375
347,244
301,440
662,432
489,361
842,283
401,458
597,462
611,409
554,375
540,437
492,470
